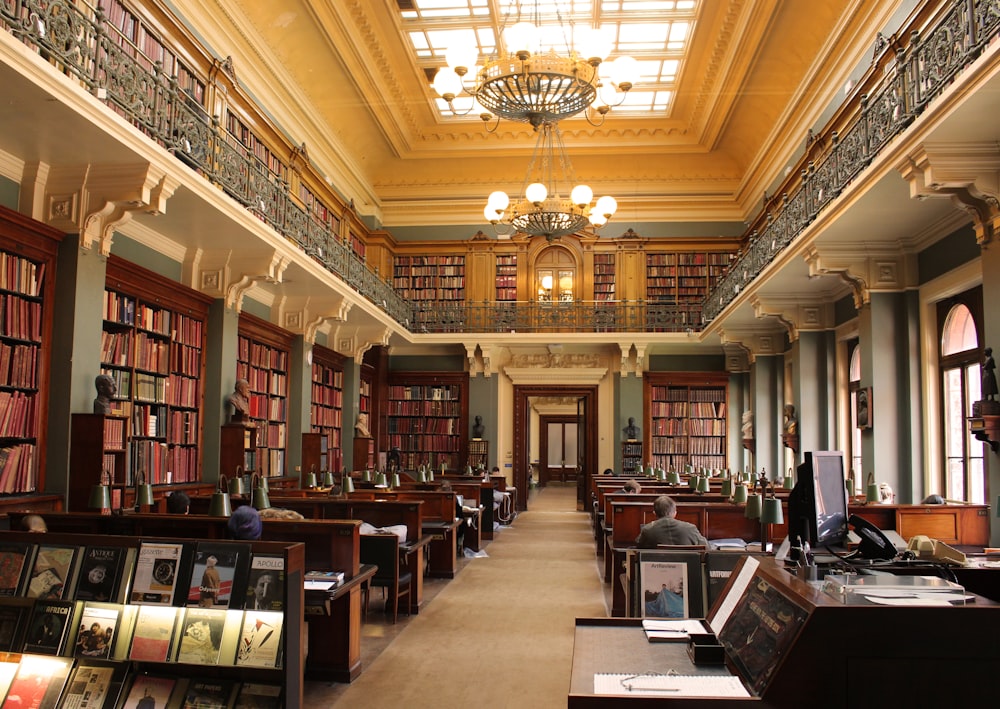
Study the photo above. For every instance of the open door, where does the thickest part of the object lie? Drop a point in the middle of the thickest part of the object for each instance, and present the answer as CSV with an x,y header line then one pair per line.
x,y
581,456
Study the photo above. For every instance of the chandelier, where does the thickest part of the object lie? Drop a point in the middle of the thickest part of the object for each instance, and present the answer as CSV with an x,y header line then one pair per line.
x,y
540,74
544,210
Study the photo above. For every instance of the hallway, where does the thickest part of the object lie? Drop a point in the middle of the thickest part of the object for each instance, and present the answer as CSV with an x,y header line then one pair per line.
x,y
500,634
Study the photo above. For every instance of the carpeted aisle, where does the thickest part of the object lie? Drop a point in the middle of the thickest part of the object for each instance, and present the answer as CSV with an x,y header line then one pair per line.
x,y
501,633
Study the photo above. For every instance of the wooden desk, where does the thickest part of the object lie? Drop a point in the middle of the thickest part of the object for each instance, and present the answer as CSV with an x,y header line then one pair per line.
x,y
443,550
412,554
334,619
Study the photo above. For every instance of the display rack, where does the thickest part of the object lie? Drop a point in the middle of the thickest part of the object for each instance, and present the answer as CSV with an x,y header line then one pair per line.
x,y
686,414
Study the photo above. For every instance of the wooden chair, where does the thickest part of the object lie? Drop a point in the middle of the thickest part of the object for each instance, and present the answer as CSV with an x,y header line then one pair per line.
x,y
383,551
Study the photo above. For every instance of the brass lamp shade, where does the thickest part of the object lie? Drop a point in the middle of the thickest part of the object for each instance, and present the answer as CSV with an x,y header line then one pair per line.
x,y
727,487
366,476
380,479
740,494
348,484
310,481
236,486
421,475
673,478
219,506
771,512
100,497
693,481
395,480
703,485
327,479
753,509
259,499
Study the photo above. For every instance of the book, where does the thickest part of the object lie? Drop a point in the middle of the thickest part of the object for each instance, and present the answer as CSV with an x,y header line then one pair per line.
x,y
102,571
266,585
52,572
153,634
209,694
15,561
97,631
201,636
156,571
219,575
149,692
12,621
38,682
93,685
49,627
7,672
260,639
256,695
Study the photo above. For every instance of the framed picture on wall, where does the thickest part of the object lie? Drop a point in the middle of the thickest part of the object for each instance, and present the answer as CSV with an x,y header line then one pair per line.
x,y
863,413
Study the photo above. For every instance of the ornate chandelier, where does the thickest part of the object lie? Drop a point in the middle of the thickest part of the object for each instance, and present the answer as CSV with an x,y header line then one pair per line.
x,y
544,210
529,79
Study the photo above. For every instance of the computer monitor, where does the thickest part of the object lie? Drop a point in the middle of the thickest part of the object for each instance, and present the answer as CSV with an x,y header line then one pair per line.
x,y
817,505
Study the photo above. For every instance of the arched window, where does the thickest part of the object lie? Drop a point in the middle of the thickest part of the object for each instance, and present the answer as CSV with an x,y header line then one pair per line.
x,y
960,357
853,386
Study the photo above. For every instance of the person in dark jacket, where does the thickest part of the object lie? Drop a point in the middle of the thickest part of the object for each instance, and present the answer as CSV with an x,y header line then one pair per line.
x,y
666,529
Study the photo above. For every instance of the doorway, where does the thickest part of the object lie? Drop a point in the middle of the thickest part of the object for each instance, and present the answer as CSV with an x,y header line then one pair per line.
x,y
558,457
586,430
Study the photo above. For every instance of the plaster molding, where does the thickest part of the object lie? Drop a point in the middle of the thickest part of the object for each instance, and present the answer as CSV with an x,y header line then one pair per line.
x,y
863,269
796,314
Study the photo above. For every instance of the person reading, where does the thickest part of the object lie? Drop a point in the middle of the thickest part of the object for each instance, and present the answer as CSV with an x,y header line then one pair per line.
x,y
666,529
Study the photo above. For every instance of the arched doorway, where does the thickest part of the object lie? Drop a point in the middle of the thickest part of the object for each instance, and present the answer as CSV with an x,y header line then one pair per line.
x,y
586,398
555,279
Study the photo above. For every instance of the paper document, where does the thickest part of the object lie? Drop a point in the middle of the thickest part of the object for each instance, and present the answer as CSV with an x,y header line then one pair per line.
x,y
670,685
679,630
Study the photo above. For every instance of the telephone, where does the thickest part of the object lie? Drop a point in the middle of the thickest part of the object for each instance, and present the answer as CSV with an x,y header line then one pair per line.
x,y
925,548
874,543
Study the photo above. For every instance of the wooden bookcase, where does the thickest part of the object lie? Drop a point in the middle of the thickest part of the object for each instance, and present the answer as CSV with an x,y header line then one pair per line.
x,y
631,457
263,356
506,277
238,449
427,418
27,293
604,276
686,419
153,346
435,278
479,453
683,277
326,415
99,445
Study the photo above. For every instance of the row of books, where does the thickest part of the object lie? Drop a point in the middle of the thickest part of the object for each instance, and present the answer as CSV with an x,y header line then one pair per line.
x,y
216,575
114,632
20,275
262,356
17,468
20,318
18,365
17,414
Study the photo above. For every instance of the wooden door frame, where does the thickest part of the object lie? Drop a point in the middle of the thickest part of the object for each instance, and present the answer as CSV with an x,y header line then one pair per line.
x,y
522,394
543,443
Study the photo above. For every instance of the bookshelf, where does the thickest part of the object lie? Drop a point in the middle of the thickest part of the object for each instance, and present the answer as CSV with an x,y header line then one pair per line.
x,y
686,414
604,276
436,278
427,418
184,673
99,444
27,293
263,353
326,411
238,449
479,453
683,277
153,347
631,456
506,277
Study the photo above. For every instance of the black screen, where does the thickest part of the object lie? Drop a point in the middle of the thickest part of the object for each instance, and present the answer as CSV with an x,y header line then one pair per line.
x,y
817,507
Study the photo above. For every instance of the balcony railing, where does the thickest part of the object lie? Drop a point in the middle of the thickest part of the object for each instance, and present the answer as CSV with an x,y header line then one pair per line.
x,y
913,73
78,40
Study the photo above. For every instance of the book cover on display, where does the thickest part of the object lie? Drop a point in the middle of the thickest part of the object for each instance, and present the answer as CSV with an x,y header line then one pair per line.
x,y
260,639
266,585
218,575
156,571
154,631
149,692
98,629
49,627
209,694
102,570
93,685
15,561
52,572
38,682
201,636
12,621
255,695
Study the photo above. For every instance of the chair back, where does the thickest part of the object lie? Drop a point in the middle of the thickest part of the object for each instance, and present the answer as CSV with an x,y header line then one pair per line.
x,y
383,551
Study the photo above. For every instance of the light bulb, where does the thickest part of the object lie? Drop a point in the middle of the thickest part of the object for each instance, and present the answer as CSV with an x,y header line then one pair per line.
x,y
492,214
581,195
547,282
624,72
598,220
521,37
594,43
461,56
447,83
536,193
498,200
606,206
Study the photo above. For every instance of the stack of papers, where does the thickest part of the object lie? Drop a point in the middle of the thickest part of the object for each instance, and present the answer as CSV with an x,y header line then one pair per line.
x,y
666,631
889,590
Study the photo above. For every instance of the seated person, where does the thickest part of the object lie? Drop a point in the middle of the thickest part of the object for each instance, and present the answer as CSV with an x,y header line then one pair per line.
x,y
245,523
178,503
33,523
631,487
666,529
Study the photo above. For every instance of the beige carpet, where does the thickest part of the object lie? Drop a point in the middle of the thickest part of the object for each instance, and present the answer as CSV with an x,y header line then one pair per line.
x,y
501,633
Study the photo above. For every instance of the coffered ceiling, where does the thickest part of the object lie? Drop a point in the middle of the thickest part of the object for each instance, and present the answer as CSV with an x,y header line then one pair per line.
x,y
343,77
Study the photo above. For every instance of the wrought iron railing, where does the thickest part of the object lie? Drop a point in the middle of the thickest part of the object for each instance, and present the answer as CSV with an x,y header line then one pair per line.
x,y
77,39
919,68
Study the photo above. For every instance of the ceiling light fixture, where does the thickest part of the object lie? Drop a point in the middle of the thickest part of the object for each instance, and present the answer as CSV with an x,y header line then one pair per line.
x,y
544,210
543,72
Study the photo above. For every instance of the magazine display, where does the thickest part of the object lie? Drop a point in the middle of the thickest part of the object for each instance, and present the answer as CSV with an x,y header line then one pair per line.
x,y
38,682
101,573
266,586
218,575
154,631
14,564
209,694
11,627
149,692
97,631
91,686
201,636
52,572
260,639
156,571
49,627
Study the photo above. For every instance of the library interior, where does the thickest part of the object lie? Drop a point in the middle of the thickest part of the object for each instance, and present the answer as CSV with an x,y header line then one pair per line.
x,y
331,269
